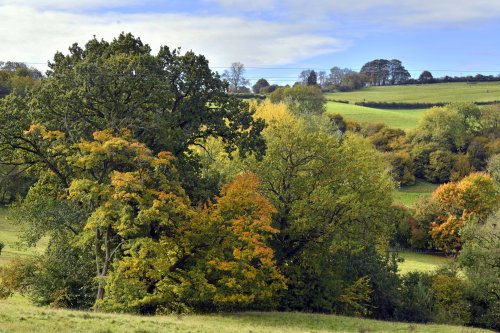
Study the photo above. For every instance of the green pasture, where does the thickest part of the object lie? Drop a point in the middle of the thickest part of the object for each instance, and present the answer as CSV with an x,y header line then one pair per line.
x,y
424,93
9,235
18,316
421,262
409,195
400,118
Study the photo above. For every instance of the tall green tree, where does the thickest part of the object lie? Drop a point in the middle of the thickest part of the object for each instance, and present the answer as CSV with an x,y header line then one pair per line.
x,y
169,101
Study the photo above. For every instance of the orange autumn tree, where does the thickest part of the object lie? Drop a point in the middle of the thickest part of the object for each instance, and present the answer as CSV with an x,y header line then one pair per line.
x,y
216,260
239,263
474,197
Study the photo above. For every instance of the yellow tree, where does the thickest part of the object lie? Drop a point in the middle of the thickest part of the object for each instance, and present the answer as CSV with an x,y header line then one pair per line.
x,y
127,191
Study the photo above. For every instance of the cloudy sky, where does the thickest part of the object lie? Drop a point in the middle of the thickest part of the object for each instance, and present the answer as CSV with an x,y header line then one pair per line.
x,y
273,38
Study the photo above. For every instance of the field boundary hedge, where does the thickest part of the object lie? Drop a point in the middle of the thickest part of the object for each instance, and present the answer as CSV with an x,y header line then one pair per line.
x,y
402,105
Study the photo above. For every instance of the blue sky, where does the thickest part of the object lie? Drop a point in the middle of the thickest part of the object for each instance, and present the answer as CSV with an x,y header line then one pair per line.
x,y
274,39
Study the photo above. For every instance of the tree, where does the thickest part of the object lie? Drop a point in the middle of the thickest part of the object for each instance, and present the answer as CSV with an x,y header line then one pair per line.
x,y
170,101
425,77
312,78
376,72
259,85
337,74
17,77
304,75
381,72
303,175
480,262
95,134
351,81
301,99
397,72
456,204
234,75
322,79
218,260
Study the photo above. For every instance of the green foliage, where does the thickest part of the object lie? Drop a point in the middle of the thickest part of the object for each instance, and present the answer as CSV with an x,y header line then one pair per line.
x,y
479,259
494,168
62,277
440,166
301,99
259,85
416,301
2,245
451,304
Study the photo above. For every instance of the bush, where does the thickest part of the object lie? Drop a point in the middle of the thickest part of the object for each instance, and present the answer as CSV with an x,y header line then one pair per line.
x,y
63,277
451,304
416,301
2,245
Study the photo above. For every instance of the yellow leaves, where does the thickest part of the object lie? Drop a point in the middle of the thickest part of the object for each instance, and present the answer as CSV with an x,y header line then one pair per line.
x,y
272,113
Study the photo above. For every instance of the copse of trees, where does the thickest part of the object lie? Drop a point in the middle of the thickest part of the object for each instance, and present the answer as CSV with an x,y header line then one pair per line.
x,y
301,99
381,72
18,78
260,85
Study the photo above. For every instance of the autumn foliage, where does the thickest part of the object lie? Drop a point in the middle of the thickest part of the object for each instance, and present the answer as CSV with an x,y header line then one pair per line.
x,y
474,197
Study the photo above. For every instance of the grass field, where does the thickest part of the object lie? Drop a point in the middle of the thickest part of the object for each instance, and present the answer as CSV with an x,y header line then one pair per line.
x,y
409,195
17,315
9,235
401,118
426,93
421,262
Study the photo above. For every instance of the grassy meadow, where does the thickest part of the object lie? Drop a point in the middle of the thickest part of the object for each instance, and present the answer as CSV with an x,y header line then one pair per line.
x,y
421,262
409,195
397,118
9,235
424,93
17,315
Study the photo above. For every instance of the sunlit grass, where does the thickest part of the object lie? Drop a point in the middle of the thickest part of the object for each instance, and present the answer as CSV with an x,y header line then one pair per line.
x,y
17,316
410,195
421,262
403,119
425,93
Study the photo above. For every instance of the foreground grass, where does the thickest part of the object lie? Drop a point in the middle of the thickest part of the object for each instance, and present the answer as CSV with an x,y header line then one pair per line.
x,y
401,118
421,262
410,195
16,315
426,93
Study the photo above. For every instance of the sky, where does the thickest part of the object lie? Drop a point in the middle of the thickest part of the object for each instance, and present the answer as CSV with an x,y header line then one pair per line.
x,y
274,39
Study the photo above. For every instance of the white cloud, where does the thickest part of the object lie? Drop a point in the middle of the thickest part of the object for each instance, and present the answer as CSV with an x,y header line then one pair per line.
x,y
402,12
34,35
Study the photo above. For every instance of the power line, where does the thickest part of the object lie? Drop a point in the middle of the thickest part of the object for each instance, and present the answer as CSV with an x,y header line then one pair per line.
x,y
321,69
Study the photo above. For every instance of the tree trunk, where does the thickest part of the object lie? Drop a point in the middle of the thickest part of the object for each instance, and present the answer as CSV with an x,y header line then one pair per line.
x,y
102,271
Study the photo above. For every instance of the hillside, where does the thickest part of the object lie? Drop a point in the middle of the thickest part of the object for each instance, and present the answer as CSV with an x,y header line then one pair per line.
x,y
426,93
402,118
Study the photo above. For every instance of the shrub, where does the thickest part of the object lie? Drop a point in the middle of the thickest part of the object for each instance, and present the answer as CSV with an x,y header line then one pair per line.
x,y
451,304
416,301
